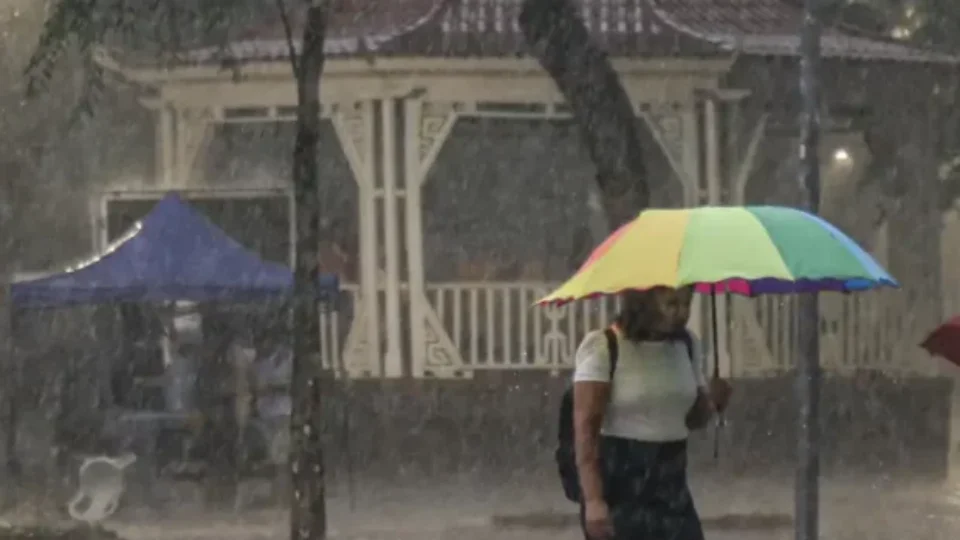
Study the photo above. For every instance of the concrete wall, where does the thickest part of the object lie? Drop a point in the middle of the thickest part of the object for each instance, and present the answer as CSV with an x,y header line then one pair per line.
x,y
495,427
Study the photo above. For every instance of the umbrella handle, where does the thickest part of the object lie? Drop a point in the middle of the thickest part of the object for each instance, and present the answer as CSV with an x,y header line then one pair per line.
x,y
721,423
714,335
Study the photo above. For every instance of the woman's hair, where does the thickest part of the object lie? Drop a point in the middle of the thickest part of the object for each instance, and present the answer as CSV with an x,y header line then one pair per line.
x,y
639,313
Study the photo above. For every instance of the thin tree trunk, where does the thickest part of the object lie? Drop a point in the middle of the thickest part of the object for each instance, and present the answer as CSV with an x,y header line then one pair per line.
x,y
583,73
308,520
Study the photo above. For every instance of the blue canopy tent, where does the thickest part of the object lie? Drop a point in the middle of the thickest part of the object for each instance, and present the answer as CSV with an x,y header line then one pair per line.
x,y
174,253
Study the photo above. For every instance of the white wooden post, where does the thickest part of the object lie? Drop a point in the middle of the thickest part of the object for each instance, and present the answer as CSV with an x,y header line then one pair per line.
x,y
748,347
675,128
712,151
194,130
413,110
103,224
164,153
434,353
748,161
393,360
355,129
690,128
179,176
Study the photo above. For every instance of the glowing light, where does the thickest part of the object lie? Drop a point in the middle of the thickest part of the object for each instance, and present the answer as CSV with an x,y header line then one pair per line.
x,y
133,231
842,156
901,32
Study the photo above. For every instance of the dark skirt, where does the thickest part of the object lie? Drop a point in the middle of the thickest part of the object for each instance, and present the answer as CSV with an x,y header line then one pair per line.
x,y
645,487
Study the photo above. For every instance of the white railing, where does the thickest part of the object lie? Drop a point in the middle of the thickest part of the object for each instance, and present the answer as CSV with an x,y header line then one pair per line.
x,y
857,331
494,326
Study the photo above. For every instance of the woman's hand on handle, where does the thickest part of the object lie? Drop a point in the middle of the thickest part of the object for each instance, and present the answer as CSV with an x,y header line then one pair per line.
x,y
720,392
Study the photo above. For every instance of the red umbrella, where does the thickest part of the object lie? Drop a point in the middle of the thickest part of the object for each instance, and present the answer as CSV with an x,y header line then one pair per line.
x,y
945,341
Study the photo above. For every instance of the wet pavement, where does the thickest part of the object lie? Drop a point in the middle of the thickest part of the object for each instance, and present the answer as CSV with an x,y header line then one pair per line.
x,y
741,508
531,508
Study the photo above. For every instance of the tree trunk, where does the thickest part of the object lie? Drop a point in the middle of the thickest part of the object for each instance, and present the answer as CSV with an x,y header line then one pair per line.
x,y
308,519
583,73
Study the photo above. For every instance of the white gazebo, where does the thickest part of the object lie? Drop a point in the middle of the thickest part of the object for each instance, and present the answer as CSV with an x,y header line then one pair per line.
x,y
417,66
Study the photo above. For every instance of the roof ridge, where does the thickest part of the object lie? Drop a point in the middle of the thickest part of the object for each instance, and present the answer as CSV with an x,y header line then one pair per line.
x,y
488,28
661,14
837,28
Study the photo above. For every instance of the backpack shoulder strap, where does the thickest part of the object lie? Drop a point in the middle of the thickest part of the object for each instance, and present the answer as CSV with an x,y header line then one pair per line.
x,y
613,349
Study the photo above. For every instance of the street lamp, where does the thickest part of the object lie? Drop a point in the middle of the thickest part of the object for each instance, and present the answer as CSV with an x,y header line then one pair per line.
x,y
807,497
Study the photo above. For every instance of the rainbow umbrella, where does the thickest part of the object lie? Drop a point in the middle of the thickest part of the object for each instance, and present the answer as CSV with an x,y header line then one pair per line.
x,y
747,250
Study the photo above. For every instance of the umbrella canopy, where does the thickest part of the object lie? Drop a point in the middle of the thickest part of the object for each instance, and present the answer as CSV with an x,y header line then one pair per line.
x,y
747,250
945,341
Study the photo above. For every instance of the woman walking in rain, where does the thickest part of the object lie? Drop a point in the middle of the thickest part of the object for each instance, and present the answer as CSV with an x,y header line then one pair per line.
x,y
639,388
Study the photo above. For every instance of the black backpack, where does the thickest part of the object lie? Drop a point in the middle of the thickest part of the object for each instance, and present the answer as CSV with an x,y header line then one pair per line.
x,y
565,454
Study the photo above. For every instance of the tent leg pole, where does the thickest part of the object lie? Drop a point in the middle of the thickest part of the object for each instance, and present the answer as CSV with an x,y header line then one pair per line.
x,y
13,411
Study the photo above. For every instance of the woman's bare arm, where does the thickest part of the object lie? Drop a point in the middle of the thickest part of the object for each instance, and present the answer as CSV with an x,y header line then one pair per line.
x,y
702,411
709,401
589,405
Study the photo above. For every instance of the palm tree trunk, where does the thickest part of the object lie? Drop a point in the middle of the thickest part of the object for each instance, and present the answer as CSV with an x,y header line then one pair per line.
x,y
586,78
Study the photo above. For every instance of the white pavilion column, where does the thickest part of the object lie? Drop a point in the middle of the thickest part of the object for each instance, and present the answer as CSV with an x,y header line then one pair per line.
x,y
426,127
393,360
675,126
194,131
164,152
690,162
747,346
712,127
748,159
354,125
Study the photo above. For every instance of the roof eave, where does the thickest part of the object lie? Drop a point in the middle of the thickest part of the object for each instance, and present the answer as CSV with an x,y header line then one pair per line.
x,y
717,64
735,43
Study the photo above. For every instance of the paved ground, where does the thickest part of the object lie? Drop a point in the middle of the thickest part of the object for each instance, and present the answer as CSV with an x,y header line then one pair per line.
x,y
736,508
530,509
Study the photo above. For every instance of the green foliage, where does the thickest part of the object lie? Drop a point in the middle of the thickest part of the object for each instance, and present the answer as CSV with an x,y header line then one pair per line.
x,y
928,23
936,23
157,28
866,17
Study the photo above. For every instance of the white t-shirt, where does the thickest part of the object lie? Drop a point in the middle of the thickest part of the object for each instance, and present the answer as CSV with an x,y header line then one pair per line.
x,y
654,386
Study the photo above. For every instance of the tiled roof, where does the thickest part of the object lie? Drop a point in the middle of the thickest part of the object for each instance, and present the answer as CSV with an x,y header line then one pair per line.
x,y
627,28
772,27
